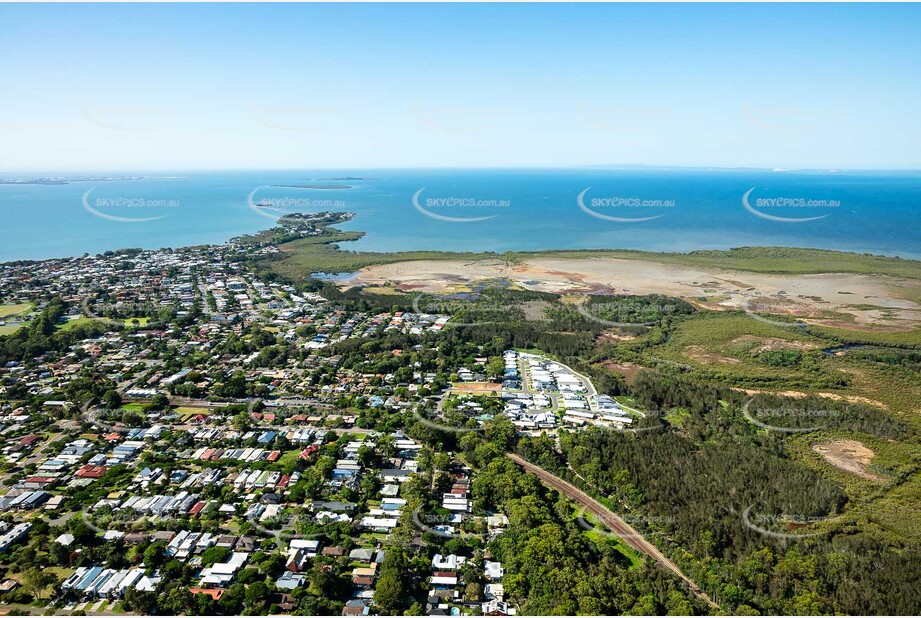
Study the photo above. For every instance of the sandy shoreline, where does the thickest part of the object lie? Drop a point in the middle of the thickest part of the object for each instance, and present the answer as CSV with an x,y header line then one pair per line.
x,y
874,301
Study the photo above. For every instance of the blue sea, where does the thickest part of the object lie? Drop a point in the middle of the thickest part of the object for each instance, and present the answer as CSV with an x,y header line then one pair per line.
x,y
472,210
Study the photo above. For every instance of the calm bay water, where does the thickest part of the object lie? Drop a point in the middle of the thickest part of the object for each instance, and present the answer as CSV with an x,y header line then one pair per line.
x,y
475,210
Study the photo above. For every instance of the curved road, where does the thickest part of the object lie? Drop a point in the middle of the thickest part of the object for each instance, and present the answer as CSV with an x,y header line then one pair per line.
x,y
614,523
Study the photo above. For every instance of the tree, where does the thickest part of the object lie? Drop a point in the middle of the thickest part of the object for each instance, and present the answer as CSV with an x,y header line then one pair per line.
x,y
140,602
391,591
214,554
501,432
495,368
59,554
159,402
473,592
111,399
257,595
36,580
154,554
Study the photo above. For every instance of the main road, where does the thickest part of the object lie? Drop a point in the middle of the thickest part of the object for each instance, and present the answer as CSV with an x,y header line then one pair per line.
x,y
614,523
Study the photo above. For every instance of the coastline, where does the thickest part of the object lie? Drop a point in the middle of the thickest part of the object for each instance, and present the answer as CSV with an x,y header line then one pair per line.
x,y
530,210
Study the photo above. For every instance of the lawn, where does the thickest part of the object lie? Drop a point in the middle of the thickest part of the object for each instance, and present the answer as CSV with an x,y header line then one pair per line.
x,y
8,310
289,459
140,321
75,322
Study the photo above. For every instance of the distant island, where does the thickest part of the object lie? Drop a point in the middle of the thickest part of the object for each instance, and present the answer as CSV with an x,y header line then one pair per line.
x,y
321,187
62,181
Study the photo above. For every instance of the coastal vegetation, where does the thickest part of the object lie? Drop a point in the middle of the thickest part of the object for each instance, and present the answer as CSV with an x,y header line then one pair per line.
x,y
728,454
324,253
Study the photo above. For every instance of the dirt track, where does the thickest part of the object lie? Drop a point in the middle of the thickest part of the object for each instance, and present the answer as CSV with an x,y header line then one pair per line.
x,y
614,523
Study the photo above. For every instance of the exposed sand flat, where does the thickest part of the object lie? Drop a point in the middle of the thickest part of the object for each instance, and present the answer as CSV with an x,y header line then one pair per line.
x,y
873,301
849,455
800,395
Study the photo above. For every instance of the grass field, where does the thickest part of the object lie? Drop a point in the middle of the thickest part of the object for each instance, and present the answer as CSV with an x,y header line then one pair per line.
x,y
8,310
289,458
187,412
140,321
73,323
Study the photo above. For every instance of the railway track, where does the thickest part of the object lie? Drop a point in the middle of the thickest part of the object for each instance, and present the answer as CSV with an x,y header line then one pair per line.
x,y
615,524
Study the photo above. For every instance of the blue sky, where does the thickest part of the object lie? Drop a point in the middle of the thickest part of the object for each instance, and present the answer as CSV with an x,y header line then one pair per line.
x,y
159,87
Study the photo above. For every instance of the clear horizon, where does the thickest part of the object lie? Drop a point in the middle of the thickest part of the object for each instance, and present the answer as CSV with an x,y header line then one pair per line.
x,y
94,88
612,166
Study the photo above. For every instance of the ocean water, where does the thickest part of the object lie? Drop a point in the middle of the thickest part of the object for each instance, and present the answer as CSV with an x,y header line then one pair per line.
x,y
473,210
